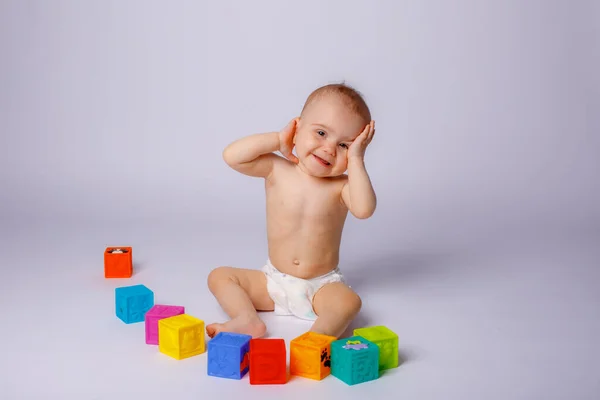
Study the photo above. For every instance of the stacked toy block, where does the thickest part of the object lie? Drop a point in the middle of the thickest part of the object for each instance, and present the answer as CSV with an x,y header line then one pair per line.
x,y
310,355
228,355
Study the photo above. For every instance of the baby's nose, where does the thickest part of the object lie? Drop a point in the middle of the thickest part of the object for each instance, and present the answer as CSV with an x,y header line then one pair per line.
x,y
330,149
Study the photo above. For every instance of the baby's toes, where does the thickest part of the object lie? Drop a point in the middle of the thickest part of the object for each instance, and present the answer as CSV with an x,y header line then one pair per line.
x,y
212,329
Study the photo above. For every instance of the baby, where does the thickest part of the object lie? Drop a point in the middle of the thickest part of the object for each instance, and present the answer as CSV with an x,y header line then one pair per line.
x,y
308,197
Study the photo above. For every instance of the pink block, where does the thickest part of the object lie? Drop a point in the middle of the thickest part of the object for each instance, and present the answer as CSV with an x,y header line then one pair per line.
x,y
157,312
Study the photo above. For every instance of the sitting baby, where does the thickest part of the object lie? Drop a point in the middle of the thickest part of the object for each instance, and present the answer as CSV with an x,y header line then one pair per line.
x,y
308,196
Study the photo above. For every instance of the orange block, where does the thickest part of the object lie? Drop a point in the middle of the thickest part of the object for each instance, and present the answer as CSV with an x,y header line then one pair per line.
x,y
118,262
310,355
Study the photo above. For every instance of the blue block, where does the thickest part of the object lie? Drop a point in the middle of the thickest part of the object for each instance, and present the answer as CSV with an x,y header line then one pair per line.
x,y
133,302
228,355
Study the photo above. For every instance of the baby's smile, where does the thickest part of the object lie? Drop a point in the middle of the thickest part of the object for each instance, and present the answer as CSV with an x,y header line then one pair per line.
x,y
319,159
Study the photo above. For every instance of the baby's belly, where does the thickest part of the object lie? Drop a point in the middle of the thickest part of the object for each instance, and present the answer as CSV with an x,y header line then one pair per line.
x,y
302,252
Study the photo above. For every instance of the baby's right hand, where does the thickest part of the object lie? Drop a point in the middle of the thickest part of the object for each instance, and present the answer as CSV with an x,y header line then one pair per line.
x,y
286,141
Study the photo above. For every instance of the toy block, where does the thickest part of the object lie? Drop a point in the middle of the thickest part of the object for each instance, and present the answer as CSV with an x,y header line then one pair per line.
x,y
133,302
181,336
354,360
267,361
310,355
386,340
118,262
156,313
228,355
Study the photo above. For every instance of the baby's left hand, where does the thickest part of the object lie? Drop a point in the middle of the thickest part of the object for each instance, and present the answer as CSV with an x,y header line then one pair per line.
x,y
359,146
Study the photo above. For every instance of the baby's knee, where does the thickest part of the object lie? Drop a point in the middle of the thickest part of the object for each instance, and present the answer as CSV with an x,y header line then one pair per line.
x,y
218,275
354,303
337,299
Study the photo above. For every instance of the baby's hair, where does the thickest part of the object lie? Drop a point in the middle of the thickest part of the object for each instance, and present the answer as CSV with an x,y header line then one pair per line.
x,y
352,97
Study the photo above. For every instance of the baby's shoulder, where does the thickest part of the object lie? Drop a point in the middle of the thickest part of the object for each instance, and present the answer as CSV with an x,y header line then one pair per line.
x,y
281,167
281,164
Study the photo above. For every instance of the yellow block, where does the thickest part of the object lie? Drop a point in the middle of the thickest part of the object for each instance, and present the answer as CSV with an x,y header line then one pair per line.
x,y
310,355
181,336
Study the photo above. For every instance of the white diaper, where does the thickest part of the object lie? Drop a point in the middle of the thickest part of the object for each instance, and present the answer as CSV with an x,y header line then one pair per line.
x,y
293,296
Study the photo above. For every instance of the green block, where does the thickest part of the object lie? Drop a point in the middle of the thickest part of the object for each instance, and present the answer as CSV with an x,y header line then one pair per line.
x,y
354,360
387,341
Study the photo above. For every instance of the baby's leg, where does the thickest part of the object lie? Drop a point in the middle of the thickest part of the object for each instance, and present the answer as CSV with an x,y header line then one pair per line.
x,y
240,292
336,305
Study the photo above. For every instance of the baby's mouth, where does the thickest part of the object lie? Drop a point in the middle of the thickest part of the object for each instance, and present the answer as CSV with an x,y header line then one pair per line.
x,y
321,160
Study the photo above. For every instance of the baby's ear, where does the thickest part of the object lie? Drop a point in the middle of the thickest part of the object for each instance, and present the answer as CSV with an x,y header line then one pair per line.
x,y
297,126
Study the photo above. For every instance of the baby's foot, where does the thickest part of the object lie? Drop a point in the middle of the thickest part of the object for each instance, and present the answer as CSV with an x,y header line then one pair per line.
x,y
252,326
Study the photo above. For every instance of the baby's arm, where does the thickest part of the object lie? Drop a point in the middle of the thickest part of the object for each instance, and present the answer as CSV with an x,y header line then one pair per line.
x,y
358,193
253,155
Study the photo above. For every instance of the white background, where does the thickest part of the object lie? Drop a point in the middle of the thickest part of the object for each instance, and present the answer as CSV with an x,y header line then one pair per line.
x,y
483,253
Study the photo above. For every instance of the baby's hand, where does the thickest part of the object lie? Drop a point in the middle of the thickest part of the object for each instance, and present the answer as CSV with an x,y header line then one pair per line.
x,y
286,141
359,146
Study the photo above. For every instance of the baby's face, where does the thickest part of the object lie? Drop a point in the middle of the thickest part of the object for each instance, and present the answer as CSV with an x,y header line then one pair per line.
x,y
323,135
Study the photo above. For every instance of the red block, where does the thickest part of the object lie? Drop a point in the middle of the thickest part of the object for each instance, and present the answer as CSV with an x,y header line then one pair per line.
x,y
267,361
118,262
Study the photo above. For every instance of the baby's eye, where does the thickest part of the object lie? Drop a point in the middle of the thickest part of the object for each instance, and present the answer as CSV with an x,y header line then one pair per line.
x,y
344,145
321,133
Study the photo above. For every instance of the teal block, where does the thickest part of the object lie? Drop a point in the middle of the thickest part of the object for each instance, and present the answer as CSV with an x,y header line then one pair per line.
x,y
354,360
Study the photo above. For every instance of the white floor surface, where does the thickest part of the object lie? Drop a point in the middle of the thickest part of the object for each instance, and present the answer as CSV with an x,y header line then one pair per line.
x,y
519,322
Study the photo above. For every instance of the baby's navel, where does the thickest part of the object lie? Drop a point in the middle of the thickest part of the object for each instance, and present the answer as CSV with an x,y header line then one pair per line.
x,y
297,262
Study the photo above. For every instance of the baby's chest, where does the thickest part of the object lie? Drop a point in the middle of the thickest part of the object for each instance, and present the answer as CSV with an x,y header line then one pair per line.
x,y
308,202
